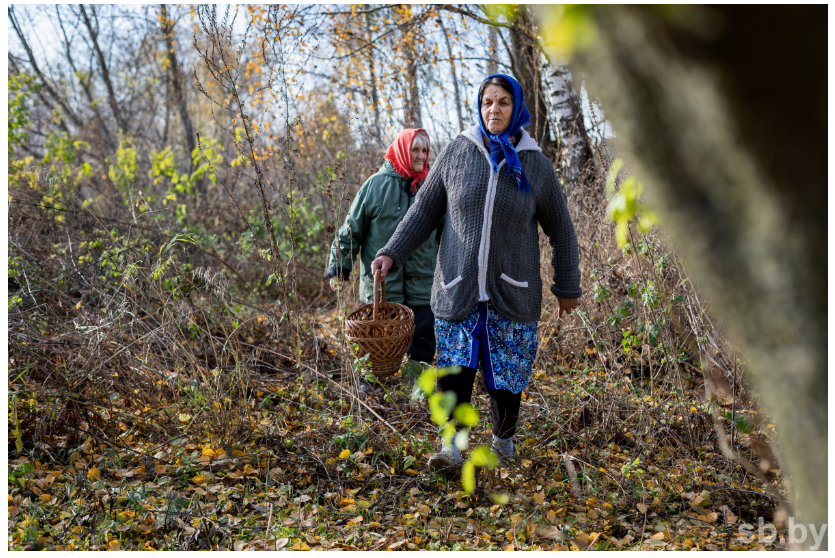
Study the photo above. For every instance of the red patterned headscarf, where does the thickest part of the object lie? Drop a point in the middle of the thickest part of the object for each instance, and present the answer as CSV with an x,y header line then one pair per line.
x,y
400,155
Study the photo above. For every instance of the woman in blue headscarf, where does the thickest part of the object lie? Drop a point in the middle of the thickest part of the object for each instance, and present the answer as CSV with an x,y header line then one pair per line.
x,y
487,289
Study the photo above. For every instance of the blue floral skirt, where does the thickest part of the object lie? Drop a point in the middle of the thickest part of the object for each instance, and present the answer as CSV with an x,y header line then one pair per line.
x,y
507,349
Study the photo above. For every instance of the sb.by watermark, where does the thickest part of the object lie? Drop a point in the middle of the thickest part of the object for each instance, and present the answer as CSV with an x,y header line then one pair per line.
x,y
766,533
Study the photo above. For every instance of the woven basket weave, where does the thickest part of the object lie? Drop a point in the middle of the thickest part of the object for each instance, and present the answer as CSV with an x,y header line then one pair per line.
x,y
384,331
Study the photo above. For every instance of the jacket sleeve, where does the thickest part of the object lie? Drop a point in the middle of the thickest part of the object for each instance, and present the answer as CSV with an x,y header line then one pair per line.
x,y
423,217
552,214
350,235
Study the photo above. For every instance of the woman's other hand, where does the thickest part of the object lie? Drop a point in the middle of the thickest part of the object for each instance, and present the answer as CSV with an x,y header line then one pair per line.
x,y
383,263
567,305
334,282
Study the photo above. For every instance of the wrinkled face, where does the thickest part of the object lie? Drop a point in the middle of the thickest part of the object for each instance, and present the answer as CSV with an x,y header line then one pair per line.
x,y
496,109
419,152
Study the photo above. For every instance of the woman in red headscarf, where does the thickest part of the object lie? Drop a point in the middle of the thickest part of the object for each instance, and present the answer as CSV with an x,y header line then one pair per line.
x,y
381,203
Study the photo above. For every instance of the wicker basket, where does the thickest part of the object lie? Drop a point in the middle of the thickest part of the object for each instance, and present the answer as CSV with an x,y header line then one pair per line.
x,y
384,331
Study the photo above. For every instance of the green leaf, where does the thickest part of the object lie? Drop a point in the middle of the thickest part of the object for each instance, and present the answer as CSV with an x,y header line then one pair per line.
x,y
448,371
439,407
447,432
465,414
483,456
461,439
426,381
468,476
500,499
741,422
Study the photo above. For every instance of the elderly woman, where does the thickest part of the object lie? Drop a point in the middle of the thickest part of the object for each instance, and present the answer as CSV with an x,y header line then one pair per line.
x,y
380,205
493,185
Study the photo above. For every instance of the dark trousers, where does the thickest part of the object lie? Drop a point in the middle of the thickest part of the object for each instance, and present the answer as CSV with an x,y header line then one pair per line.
x,y
423,343
504,404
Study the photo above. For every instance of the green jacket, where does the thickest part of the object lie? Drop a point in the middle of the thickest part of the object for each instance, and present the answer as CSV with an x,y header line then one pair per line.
x,y
380,205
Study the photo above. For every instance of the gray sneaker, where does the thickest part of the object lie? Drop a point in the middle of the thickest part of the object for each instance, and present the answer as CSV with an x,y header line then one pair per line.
x,y
505,449
447,462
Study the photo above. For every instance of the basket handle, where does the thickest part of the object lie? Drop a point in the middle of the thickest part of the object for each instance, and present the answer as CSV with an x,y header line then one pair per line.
x,y
382,283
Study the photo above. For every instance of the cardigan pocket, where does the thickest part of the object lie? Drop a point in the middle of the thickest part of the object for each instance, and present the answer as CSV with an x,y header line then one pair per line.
x,y
514,282
452,283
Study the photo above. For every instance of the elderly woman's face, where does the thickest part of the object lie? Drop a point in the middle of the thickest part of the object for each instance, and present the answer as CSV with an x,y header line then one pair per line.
x,y
496,109
420,152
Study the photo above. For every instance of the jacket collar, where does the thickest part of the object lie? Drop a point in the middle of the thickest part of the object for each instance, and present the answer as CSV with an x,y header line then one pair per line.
x,y
526,143
388,168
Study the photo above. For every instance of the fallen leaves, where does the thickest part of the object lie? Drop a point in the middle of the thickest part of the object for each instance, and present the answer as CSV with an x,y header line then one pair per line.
x,y
551,532
669,502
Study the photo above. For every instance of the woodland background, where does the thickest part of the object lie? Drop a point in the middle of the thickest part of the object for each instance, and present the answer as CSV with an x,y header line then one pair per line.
x,y
178,377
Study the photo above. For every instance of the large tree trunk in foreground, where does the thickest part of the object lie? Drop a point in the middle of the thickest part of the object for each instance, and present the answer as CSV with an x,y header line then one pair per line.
x,y
699,100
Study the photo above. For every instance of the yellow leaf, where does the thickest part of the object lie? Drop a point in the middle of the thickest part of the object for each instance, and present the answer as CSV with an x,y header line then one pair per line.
x,y
199,479
209,452
345,454
300,546
77,306
114,545
94,474
46,497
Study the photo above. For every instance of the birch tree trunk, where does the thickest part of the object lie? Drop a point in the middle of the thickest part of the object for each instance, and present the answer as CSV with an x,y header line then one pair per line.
x,y
723,112
574,151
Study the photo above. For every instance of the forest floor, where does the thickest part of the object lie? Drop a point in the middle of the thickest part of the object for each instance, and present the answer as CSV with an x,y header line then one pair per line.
x,y
319,471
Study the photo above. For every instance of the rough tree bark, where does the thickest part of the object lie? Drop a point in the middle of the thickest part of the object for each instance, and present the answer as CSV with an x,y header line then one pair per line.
x,y
574,151
375,97
493,41
699,98
456,88
525,60
411,98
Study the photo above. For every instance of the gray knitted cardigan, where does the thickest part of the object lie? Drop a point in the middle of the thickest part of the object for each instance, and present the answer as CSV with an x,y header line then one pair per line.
x,y
490,244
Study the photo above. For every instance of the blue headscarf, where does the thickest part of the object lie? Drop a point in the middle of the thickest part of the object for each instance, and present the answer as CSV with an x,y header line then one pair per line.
x,y
501,142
